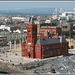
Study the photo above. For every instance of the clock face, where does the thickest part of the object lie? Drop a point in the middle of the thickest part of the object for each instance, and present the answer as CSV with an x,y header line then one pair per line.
x,y
29,43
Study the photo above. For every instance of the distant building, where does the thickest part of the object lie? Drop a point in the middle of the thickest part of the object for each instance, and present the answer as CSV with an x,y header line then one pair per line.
x,y
3,40
43,47
51,27
18,18
5,27
65,27
70,14
53,30
12,35
48,21
15,29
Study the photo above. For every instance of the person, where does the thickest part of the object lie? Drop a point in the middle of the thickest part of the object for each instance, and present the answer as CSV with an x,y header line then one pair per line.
x,y
67,70
34,71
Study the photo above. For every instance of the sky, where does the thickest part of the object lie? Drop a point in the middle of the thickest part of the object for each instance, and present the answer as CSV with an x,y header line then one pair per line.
x,y
9,5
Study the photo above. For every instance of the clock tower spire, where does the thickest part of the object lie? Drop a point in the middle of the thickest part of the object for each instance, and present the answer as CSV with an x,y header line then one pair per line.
x,y
31,39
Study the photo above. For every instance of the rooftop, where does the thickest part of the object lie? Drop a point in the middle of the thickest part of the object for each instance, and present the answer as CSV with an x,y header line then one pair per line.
x,y
49,41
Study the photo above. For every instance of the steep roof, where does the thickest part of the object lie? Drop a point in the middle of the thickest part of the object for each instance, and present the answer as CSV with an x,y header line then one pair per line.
x,y
31,21
49,41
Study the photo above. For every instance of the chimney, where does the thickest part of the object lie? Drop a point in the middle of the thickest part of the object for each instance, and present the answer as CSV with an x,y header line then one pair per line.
x,y
26,37
51,35
65,36
60,39
42,36
47,34
57,35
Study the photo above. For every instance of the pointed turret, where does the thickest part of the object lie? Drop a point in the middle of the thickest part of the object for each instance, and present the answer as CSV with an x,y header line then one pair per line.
x,y
47,34
31,21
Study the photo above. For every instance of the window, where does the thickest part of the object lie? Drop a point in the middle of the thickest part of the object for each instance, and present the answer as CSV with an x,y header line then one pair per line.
x,y
23,47
66,48
37,48
37,53
66,44
42,48
46,51
29,32
34,32
58,51
23,53
29,48
50,53
54,52
63,46
26,46
47,47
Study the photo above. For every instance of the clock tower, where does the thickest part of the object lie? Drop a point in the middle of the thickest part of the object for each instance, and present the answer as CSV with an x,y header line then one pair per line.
x,y
31,39
31,33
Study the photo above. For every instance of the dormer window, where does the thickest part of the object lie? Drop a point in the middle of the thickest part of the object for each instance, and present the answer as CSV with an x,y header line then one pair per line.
x,y
33,32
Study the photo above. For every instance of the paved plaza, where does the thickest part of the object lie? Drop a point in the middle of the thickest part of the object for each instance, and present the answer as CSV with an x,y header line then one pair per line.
x,y
14,58
61,64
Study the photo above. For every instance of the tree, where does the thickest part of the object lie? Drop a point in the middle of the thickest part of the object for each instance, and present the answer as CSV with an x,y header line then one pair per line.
x,y
66,33
73,32
17,40
68,47
53,70
64,19
72,47
73,36
21,39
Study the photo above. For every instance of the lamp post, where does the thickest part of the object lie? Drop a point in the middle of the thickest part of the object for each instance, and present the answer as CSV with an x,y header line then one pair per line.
x,y
15,44
10,45
6,57
42,52
70,37
20,43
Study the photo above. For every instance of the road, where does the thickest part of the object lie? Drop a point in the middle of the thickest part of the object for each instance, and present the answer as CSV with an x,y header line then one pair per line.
x,y
62,65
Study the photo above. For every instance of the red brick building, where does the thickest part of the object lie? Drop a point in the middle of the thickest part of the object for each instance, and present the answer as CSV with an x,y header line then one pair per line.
x,y
43,47
53,30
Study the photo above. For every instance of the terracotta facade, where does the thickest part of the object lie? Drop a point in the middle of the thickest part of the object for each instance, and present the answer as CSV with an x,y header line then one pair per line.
x,y
51,30
31,49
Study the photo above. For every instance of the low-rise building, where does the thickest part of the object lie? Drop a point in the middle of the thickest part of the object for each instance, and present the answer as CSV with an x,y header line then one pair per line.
x,y
3,40
12,35
5,27
53,30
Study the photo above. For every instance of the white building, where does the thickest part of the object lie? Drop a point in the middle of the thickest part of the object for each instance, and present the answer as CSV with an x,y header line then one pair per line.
x,y
65,14
48,21
18,31
18,18
4,27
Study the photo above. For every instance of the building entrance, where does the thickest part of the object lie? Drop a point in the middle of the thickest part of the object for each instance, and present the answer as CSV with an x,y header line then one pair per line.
x,y
29,55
